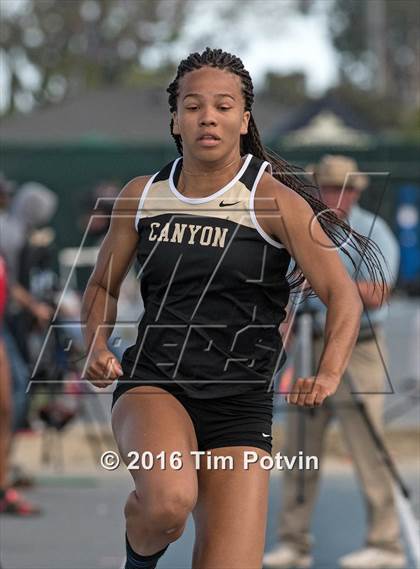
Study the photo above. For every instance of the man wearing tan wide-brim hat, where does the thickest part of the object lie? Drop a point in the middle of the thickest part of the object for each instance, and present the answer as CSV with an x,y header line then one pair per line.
x,y
341,171
341,184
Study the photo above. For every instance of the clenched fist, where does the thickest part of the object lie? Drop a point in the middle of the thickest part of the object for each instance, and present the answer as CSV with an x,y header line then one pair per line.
x,y
312,391
103,368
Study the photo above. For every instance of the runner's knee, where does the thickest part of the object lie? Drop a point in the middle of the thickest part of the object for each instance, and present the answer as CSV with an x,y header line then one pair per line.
x,y
164,512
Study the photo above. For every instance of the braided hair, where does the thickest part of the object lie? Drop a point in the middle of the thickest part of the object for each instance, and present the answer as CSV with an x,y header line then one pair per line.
x,y
338,231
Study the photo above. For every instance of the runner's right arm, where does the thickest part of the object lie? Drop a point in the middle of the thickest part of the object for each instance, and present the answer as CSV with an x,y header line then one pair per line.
x,y
99,305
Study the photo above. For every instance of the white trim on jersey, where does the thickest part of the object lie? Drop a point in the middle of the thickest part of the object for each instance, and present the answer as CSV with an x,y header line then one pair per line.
x,y
141,201
212,196
251,207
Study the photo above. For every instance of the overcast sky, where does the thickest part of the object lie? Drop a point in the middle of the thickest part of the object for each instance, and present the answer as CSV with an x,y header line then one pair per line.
x,y
272,37
304,46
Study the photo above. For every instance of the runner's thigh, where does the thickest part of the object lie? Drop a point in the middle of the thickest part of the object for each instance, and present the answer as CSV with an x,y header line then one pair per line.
x,y
151,419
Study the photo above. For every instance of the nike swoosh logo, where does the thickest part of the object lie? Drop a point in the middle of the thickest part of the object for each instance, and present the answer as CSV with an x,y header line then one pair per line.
x,y
221,204
266,436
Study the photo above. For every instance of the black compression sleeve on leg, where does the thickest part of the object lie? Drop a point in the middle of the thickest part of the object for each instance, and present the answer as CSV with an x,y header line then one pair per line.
x,y
136,561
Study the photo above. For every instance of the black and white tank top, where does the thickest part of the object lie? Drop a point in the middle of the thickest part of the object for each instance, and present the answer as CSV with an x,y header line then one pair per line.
x,y
214,288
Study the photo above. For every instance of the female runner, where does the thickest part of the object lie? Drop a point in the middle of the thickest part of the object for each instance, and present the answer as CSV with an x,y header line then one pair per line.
x,y
214,232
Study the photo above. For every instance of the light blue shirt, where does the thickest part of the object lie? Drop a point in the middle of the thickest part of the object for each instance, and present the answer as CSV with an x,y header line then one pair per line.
x,y
374,227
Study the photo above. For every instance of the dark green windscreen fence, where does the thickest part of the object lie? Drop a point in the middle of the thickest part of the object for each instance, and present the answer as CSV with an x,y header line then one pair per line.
x,y
73,170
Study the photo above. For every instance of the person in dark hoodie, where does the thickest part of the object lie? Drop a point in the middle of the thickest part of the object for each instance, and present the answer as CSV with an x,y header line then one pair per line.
x,y
32,207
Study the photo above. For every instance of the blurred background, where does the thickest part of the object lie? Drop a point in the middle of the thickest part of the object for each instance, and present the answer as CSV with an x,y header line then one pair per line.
x,y
83,82
84,109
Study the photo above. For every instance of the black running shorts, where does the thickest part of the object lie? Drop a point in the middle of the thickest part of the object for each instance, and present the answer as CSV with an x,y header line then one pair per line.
x,y
235,420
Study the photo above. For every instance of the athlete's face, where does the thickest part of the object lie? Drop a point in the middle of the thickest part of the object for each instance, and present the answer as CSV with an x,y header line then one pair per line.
x,y
210,116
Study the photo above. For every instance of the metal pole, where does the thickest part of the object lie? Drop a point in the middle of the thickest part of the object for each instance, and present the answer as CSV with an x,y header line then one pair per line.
x,y
401,491
305,369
